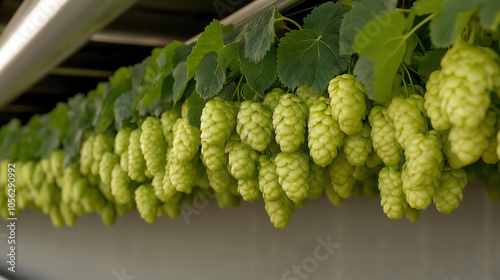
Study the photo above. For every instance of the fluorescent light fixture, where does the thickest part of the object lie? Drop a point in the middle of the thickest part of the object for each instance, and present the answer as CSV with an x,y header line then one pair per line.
x,y
34,22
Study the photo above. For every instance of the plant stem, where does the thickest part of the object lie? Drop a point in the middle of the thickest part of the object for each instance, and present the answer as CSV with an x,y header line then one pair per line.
x,y
420,24
289,20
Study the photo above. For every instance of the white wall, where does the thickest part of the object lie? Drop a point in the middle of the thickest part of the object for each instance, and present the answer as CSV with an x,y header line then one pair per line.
x,y
242,244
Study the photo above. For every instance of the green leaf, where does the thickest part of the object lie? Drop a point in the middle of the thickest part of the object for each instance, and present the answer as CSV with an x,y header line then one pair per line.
x,y
490,14
362,12
260,75
310,57
228,54
121,75
210,76
58,119
182,53
166,58
430,62
10,140
260,36
154,92
123,107
385,48
209,41
448,24
195,108
138,72
424,7
364,73
180,81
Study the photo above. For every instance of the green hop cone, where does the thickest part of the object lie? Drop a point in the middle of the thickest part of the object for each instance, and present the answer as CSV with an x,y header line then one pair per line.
x,y
147,203
214,157
308,96
340,172
268,179
391,192
108,162
317,176
169,189
108,213
468,144
347,100
289,122
103,143
56,217
325,136
68,216
332,195
293,174
358,146
280,211
422,170
248,188
56,163
449,193
407,117
136,161
272,98
490,155
186,140
38,176
242,159
157,184
468,74
411,214
122,140
153,145
227,200
182,174
383,136
120,185
432,103
219,181
254,125
218,120
86,155
168,118
124,161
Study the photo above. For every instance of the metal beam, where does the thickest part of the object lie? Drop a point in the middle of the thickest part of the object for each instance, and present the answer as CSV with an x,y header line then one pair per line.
x,y
251,10
44,33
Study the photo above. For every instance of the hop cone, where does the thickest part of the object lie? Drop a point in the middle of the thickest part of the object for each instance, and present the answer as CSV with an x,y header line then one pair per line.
x,y
168,119
254,125
120,185
272,98
136,162
293,174
325,136
242,159
449,193
186,141
468,74
391,192
384,136
308,96
289,122
468,144
86,155
218,120
340,172
407,117
347,99
268,179
358,146
280,211
106,166
213,156
432,103
153,145
122,140
422,170
147,203
316,180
